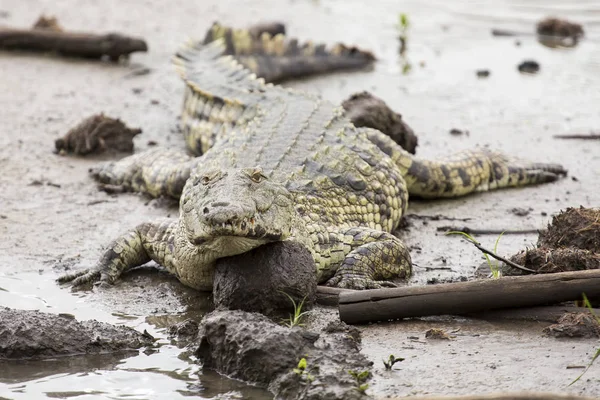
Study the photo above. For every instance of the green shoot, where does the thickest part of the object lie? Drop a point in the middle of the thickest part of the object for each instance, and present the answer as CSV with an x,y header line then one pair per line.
x,y
494,265
296,318
403,23
391,361
301,370
360,378
402,27
597,354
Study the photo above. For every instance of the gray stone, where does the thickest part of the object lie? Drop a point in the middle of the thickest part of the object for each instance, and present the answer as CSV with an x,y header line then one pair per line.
x,y
257,280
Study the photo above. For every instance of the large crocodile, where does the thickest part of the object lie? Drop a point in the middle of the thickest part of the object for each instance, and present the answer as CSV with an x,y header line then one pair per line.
x,y
280,164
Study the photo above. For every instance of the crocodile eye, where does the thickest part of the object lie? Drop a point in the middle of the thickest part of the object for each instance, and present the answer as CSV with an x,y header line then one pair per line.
x,y
257,176
205,179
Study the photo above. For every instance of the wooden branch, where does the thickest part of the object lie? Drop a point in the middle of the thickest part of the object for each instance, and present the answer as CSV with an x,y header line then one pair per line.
x,y
48,36
504,260
592,136
466,297
329,296
475,231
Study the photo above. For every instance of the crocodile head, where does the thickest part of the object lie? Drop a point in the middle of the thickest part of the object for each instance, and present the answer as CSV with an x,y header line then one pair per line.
x,y
233,211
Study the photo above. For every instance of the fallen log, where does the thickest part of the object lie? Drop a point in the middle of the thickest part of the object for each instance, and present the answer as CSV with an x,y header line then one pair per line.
x,y
47,36
466,297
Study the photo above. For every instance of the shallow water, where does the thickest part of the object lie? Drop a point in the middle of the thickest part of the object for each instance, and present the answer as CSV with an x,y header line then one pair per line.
x,y
43,228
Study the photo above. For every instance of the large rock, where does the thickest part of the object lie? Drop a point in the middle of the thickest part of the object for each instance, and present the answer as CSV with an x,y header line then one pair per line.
x,y
35,335
259,280
252,348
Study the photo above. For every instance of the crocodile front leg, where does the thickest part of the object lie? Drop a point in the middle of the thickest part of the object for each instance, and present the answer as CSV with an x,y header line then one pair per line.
x,y
148,241
158,172
375,257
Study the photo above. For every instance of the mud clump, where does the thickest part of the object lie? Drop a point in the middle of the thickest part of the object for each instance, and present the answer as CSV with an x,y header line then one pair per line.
x,y
571,243
575,227
549,260
97,134
559,27
251,347
36,335
366,110
262,279
578,325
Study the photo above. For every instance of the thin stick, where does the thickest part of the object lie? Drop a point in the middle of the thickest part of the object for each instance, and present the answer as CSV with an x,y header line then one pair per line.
x,y
499,258
593,136
473,231
436,217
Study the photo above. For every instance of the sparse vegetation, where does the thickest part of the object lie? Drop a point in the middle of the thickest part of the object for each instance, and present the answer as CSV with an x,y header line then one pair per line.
x,y
360,378
597,353
297,317
391,361
402,27
303,371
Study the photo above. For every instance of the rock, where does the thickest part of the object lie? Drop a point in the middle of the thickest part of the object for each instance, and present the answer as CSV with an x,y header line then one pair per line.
x,y
259,280
34,335
529,67
250,347
482,73
559,27
366,110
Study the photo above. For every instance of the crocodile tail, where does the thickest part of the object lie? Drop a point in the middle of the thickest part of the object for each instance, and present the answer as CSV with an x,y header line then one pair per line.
x,y
270,54
207,71
220,93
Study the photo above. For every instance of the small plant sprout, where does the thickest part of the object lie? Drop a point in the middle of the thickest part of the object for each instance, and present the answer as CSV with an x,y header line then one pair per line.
x,y
494,265
402,28
360,378
391,361
296,318
302,370
587,303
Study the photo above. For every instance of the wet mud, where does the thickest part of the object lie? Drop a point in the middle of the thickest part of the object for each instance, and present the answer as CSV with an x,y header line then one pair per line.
x,y
250,347
36,335
434,87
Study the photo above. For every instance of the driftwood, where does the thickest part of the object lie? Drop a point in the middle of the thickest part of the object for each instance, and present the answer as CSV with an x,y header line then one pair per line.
x,y
591,136
47,36
466,297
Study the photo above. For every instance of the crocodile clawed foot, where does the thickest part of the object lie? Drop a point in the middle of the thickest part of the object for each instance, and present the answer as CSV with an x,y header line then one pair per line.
x,y
85,277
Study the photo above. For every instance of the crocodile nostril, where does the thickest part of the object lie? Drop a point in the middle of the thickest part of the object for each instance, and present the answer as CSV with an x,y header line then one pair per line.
x,y
220,204
206,210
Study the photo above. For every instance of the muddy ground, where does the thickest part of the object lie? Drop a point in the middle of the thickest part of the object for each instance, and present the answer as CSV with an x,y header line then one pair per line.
x,y
52,216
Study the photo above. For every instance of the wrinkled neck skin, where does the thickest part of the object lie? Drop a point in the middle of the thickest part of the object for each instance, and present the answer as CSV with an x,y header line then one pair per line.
x,y
226,213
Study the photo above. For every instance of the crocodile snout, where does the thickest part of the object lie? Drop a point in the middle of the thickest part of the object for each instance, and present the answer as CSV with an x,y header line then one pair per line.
x,y
220,213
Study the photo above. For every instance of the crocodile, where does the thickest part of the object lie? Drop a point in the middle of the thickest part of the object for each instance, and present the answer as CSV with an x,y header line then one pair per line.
x,y
280,164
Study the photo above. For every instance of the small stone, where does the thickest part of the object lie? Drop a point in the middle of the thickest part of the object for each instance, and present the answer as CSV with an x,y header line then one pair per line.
x,y
529,67
483,73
